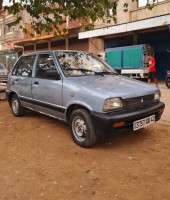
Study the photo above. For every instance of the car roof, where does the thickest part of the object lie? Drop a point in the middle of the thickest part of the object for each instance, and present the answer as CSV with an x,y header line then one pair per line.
x,y
52,51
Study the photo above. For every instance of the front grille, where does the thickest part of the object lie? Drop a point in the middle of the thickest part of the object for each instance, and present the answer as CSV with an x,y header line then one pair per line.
x,y
138,101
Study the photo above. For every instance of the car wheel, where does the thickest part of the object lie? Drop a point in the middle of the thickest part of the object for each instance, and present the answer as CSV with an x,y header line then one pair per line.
x,y
82,129
168,82
17,108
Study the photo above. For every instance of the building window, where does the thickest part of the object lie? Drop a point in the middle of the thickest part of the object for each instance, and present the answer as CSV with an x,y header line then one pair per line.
x,y
144,2
58,43
29,48
112,11
9,27
75,40
42,46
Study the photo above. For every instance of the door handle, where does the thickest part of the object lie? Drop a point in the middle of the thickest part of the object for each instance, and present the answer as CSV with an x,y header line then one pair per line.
x,y
36,84
15,81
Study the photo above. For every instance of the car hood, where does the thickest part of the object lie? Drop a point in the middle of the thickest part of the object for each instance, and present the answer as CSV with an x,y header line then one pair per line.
x,y
110,86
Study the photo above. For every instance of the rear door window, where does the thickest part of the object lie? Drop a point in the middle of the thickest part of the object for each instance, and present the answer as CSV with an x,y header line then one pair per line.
x,y
24,66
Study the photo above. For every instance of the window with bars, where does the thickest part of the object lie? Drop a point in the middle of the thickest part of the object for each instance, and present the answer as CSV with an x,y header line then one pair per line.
x,y
10,27
75,40
58,43
29,48
42,46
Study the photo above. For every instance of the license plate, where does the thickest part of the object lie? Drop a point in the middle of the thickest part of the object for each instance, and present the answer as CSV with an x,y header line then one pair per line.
x,y
1,73
143,122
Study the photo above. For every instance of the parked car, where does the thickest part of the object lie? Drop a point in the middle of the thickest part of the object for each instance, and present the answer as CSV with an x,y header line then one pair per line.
x,y
167,79
84,91
3,74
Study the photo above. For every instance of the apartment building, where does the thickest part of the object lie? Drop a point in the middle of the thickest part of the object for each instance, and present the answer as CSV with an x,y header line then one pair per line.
x,y
13,42
8,33
136,26
46,41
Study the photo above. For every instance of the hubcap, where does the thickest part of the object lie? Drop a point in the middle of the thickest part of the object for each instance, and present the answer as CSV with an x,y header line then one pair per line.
x,y
79,129
15,106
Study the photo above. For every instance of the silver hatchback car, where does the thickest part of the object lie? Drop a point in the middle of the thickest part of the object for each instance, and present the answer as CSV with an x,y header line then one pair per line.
x,y
84,91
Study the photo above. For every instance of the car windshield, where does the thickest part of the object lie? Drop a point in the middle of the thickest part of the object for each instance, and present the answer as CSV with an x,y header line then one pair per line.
x,y
81,63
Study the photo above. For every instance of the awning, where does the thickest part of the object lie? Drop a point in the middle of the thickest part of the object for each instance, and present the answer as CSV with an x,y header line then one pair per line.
x,y
132,26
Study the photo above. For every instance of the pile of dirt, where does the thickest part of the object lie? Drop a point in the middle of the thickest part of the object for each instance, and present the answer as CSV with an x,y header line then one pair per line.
x,y
39,160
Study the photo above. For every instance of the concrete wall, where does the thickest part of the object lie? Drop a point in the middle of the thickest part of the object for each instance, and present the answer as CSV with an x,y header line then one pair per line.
x,y
159,9
96,45
134,13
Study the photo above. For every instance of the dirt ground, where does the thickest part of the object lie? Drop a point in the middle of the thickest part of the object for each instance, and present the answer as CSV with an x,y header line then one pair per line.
x,y
39,160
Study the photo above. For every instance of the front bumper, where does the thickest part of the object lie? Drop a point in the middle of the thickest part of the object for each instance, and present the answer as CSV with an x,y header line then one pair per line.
x,y
103,122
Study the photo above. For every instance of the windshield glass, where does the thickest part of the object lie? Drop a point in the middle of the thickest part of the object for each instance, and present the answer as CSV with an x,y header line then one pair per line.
x,y
81,63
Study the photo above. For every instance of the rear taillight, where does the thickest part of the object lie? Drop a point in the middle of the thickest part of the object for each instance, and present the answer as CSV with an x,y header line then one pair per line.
x,y
168,73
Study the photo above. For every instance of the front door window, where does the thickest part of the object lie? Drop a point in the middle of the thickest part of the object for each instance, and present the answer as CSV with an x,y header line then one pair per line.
x,y
45,63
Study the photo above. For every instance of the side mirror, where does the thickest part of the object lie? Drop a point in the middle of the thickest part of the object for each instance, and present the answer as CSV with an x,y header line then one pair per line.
x,y
52,74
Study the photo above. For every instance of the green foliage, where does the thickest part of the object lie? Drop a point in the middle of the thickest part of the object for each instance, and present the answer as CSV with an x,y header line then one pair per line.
x,y
49,15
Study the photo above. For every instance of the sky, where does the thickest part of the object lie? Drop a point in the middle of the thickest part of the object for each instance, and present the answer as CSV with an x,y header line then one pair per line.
x,y
6,3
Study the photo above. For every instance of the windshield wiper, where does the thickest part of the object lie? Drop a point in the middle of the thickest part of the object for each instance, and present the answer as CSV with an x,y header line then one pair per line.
x,y
85,70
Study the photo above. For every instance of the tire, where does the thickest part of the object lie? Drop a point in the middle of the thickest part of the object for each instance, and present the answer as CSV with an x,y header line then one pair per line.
x,y
168,82
17,109
82,129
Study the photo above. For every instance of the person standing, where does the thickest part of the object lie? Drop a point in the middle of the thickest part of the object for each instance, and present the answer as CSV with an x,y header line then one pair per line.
x,y
152,70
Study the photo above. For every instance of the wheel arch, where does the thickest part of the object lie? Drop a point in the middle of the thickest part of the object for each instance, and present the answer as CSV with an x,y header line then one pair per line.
x,y
73,107
11,94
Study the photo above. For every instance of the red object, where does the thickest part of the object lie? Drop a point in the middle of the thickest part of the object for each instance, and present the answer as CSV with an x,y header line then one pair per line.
x,y
152,65
168,73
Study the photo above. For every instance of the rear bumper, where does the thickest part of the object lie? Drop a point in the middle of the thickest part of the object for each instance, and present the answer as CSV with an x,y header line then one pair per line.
x,y
3,78
103,122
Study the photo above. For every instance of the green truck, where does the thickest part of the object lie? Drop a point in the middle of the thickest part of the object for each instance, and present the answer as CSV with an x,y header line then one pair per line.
x,y
131,61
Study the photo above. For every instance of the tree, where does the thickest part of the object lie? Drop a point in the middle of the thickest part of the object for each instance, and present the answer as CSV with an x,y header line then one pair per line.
x,y
48,15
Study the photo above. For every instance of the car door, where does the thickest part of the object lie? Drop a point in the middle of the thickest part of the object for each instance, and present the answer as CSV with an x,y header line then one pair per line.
x,y
47,91
21,79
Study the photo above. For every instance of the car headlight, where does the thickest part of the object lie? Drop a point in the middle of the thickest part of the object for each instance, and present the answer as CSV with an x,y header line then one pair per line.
x,y
157,95
112,103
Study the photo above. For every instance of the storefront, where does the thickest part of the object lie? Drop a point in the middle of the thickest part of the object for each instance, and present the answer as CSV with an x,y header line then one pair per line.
x,y
160,40
8,58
